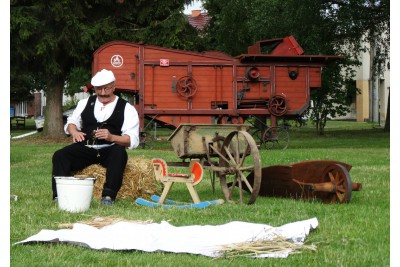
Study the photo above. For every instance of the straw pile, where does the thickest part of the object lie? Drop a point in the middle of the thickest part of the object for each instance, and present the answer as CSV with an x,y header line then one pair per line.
x,y
100,222
138,179
259,247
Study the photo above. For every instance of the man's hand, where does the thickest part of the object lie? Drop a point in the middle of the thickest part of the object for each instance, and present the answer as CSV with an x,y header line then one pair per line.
x,y
103,134
78,136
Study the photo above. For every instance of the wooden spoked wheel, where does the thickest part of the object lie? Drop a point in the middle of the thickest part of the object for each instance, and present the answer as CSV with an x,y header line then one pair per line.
x,y
238,158
277,105
275,138
341,182
186,86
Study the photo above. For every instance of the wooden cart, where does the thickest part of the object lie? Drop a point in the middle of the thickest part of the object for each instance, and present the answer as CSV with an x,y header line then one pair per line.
x,y
226,149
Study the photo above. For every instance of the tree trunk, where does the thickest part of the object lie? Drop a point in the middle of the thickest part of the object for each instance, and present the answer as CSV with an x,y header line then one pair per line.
x,y
53,123
322,124
373,101
387,121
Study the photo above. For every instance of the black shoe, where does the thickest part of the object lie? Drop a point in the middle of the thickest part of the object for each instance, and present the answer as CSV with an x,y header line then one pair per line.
x,y
106,201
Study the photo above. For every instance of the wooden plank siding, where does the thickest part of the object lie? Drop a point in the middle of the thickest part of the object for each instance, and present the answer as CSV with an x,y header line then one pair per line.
x,y
296,91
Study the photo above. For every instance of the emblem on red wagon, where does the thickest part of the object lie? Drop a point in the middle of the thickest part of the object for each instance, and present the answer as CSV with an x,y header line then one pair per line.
x,y
164,62
117,61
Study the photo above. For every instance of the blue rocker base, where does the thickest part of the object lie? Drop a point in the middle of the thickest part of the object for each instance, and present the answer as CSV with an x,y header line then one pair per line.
x,y
178,205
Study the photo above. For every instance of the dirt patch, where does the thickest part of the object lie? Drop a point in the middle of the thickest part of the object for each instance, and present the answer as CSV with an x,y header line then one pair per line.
x,y
39,139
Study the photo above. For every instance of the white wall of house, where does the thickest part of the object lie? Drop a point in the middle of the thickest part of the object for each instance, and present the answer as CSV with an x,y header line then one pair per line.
x,y
361,109
21,109
66,99
75,97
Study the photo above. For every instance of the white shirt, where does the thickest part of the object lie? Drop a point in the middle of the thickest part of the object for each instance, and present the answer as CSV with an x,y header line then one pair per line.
x,y
102,113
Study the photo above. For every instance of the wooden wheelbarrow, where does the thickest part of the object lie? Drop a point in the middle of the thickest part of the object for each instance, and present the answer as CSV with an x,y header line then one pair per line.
x,y
327,180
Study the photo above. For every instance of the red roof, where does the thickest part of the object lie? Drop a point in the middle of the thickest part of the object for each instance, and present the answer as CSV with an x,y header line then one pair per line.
x,y
198,19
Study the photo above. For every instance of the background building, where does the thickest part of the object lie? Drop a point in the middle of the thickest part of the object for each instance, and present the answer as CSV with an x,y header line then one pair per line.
x,y
370,104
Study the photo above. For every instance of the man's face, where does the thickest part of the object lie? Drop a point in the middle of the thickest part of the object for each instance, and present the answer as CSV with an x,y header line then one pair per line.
x,y
105,93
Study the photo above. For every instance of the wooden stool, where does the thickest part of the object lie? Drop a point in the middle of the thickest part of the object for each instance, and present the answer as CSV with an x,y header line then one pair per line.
x,y
168,179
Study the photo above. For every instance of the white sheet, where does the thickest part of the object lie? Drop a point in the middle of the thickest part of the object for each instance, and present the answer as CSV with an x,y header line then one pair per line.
x,y
195,239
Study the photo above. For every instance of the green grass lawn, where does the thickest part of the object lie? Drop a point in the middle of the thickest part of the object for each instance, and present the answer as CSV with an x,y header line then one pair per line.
x,y
354,234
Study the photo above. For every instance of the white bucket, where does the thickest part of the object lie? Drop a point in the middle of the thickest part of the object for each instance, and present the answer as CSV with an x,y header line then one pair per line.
x,y
74,194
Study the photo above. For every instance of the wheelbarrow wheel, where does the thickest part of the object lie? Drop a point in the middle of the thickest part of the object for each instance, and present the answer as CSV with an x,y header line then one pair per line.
x,y
340,178
239,157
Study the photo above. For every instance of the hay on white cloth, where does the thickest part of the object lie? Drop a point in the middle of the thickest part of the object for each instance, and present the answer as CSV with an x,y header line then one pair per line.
x,y
255,248
207,240
100,222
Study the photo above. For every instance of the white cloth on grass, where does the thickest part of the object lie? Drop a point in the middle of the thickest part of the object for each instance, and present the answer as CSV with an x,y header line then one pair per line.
x,y
205,240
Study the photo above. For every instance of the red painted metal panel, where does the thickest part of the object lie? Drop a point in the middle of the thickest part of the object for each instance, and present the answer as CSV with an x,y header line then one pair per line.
x,y
296,91
315,77
288,46
127,73
280,46
153,53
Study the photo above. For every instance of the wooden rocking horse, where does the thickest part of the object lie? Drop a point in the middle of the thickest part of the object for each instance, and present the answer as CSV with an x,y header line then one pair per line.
x,y
191,179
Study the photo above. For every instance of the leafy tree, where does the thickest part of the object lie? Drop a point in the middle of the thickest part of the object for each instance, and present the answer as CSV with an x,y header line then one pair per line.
x,y
52,42
22,87
367,29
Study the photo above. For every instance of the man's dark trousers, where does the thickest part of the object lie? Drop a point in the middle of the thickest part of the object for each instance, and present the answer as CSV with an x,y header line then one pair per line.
x,y
77,156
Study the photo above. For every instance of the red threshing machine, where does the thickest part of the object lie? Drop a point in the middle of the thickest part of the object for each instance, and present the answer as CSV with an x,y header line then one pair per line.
x,y
273,79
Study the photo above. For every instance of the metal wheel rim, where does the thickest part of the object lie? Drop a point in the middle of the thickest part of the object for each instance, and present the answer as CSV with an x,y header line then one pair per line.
x,y
146,140
276,138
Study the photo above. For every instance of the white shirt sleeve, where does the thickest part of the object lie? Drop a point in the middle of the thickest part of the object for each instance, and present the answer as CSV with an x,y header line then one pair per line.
x,y
131,125
75,117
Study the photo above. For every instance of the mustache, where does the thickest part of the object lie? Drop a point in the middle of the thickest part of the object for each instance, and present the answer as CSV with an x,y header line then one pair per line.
x,y
104,96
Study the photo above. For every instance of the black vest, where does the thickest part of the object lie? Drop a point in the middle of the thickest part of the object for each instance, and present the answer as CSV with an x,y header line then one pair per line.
x,y
113,124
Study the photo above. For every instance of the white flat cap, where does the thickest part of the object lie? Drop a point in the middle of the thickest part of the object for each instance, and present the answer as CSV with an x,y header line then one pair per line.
x,y
103,77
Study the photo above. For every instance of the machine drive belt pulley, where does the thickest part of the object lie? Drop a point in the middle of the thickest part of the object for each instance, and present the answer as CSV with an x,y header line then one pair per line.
x,y
186,86
277,105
